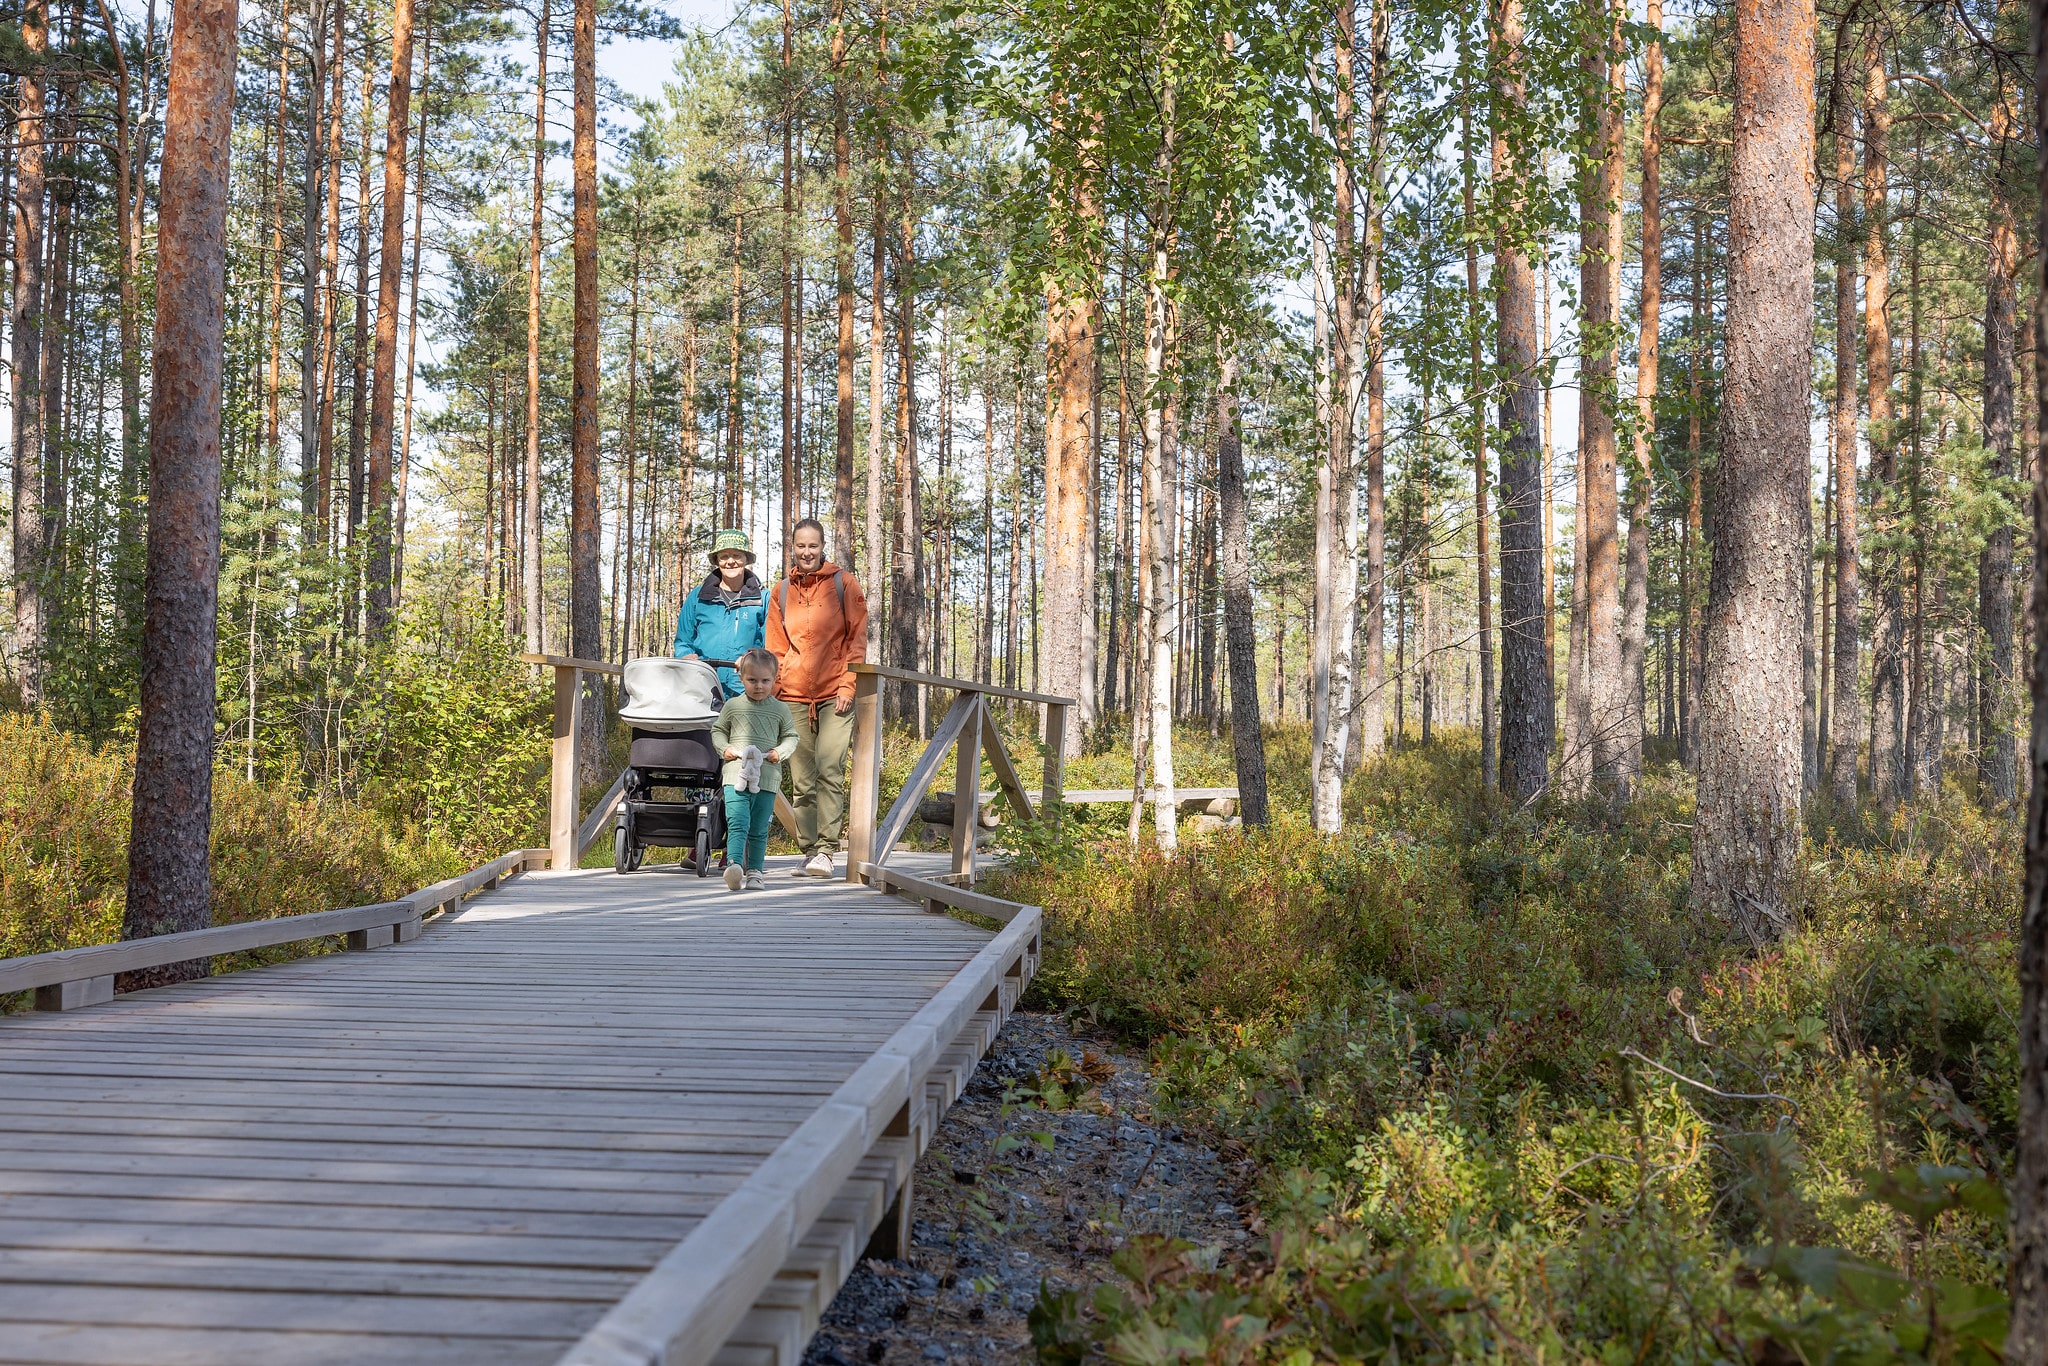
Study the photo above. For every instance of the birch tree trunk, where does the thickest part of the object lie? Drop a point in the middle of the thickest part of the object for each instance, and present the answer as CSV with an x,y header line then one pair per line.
x,y
1747,833
1161,614
1635,613
1527,695
1336,627
1489,771
1370,709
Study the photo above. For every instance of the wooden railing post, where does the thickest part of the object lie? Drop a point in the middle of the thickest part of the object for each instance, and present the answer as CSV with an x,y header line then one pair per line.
x,y
562,780
864,787
1055,755
967,791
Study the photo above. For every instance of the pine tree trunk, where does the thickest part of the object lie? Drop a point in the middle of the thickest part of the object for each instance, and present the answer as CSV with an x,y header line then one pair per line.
x,y
536,618
878,331
906,586
1888,655
330,281
25,330
273,384
1845,729
1604,715
1635,613
843,544
1527,692
1071,318
586,606
312,185
403,464
1747,831
1996,776
390,265
2026,1342
789,374
169,883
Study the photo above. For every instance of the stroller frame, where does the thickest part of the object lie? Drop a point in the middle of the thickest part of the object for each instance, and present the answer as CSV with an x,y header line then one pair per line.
x,y
687,762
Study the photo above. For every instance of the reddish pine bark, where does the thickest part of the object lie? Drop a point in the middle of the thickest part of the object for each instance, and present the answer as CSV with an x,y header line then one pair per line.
x,y
169,883
1845,725
384,369
1747,832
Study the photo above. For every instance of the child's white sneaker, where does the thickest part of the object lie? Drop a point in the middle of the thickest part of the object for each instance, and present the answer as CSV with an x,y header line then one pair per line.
x,y
756,882
733,877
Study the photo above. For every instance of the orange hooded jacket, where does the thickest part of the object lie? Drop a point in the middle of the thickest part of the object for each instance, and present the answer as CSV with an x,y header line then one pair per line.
x,y
817,626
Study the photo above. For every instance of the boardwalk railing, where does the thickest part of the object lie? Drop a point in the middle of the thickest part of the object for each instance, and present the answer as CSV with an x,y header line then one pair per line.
x,y
567,836
710,1301
71,978
969,729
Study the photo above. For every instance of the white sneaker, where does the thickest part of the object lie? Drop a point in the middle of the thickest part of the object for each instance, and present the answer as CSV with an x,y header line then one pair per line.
x,y
757,881
733,877
820,865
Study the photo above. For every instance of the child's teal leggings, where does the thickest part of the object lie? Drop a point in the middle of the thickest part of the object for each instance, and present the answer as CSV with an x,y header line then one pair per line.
x,y
748,815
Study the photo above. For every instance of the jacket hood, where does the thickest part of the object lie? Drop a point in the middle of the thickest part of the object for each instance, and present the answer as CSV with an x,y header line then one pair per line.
x,y
750,588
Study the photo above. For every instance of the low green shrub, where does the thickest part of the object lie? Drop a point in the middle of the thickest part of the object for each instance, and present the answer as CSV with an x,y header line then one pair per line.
x,y
64,820
1509,1096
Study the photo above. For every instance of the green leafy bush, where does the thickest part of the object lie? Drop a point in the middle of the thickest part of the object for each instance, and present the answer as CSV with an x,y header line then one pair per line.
x,y
1511,1097
64,820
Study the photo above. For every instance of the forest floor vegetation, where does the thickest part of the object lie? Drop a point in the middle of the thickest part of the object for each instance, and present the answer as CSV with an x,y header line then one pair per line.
x,y
1508,1096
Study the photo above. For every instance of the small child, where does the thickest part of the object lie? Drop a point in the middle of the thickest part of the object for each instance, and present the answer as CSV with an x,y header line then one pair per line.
x,y
755,732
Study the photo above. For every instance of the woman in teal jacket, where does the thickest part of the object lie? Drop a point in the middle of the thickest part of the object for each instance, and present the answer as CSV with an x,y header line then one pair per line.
x,y
728,616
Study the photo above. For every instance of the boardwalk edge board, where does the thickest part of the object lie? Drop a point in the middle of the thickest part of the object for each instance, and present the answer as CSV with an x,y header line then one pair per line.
x,y
69,979
712,1283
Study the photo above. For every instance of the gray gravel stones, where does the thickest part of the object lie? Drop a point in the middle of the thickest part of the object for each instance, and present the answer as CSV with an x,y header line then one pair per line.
x,y
1009,1197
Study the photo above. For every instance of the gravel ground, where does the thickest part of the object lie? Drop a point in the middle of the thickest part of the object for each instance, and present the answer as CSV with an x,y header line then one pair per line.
x,y
1044,1193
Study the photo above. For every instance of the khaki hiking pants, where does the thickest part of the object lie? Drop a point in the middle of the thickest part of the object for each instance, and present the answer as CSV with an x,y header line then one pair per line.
x,y
817,773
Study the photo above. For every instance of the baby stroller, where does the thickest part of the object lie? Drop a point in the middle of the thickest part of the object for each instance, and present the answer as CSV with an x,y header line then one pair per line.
x,y
673,798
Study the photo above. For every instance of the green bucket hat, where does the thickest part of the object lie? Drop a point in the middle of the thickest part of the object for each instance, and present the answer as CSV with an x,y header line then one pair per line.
x,y
732,540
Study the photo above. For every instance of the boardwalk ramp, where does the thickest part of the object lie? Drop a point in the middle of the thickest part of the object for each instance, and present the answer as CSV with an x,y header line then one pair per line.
x,y
580,1118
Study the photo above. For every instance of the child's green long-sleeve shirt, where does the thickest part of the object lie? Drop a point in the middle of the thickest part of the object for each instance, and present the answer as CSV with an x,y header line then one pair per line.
x,y
768,726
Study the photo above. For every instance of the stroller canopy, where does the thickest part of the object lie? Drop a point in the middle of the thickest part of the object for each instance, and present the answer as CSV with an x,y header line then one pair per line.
x,y
669,694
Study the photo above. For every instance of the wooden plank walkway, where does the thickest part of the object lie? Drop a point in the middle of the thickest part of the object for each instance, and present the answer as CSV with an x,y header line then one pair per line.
x,y
586,1119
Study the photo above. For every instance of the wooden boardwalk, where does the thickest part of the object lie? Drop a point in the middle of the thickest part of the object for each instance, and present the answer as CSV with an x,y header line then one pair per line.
x,y
585,1118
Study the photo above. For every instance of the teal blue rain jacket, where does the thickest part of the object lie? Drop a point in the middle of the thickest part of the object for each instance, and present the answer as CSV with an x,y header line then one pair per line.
x,y
718,624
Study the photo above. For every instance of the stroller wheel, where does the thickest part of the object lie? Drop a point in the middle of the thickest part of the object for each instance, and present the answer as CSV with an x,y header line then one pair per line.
x,y
625,857
703,853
